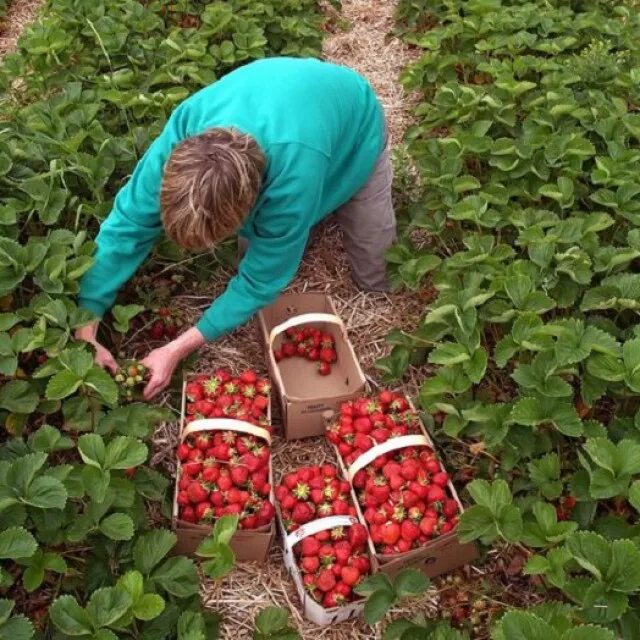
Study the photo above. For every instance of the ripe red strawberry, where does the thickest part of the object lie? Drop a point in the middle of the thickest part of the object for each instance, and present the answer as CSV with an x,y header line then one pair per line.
x,y
435,494
441,479
328,355
342,551
385,397
194,391
204,511
326,580
239,475
324,368
450,508
156,331
409,531
357,536
310,546
302,513
188,514
197,493
310,564
350,575
288,350
390,533
427,526
183,452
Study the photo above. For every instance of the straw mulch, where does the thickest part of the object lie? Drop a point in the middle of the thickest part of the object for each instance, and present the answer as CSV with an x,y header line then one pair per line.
x,y
19,15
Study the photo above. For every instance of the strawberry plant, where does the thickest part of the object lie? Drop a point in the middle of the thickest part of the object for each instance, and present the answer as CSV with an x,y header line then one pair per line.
x,y
88,89
522,239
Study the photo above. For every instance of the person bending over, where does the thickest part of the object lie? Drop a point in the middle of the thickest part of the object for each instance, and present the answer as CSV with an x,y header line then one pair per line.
x,y
266,152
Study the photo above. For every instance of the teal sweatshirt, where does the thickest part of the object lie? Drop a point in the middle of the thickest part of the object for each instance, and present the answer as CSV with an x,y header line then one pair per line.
x,y
321,129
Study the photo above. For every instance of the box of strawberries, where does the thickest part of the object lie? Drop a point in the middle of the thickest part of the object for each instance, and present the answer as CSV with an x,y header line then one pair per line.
x,y
311,360
400,488
224,462
325,545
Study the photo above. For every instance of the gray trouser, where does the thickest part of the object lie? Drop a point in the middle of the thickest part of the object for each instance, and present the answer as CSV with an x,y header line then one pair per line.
x,y
368,225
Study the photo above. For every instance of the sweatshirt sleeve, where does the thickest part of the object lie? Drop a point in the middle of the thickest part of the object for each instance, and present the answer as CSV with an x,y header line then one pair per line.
x,y
276,244
130,230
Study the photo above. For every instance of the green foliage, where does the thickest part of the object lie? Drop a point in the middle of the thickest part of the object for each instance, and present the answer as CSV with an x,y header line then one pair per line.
x,y
523,232
382,594
272,623
90,86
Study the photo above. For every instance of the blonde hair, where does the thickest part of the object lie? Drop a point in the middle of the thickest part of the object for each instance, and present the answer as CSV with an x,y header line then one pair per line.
x,y
210,184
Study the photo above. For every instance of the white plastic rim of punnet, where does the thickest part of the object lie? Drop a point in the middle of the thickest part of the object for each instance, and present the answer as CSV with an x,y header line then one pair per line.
x,y
313,610
305,318
224,424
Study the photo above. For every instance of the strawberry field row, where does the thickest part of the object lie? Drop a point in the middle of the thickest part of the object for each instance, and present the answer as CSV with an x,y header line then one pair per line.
x,y
90,86
524,234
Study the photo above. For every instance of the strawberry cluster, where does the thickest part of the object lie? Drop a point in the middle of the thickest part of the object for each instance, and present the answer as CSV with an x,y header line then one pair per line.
x,y
403,493
130,377
166,324
222,395
366,422
332,562
226,472
310,343
311,493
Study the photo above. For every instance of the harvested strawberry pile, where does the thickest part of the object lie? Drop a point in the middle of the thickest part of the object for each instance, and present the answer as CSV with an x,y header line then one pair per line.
x,y
367,421
311,493
222,395
310,343
332,562
403,493
226,472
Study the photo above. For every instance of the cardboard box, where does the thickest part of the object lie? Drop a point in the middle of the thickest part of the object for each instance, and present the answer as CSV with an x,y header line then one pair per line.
x,y
311,609
440,555
248,545
304,395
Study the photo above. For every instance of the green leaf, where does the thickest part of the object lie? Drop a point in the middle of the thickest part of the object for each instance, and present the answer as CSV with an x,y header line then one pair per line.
x,y
449,353
107,605
225,528
410,582
49,439
123,315
103,384
148,607
62,385
588,632
133,583
117,526
124,452
634,495
177,576
69,617
377,606
591,551
518,625
376,582
17,542
271,620
46,493
221,562
151,548
624,572
17,628
92,450
17,396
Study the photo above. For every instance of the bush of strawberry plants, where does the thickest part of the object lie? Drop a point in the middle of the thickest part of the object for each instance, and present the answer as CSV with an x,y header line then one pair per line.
x,y
526,238
82,548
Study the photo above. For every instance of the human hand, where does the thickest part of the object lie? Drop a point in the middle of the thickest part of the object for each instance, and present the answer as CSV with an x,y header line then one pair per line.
x,y
103,356
161,364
